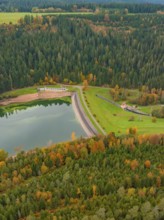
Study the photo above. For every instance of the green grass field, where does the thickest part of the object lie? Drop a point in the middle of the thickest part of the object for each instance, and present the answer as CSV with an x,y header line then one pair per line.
x,y
112,118
24,91
17,92
8,17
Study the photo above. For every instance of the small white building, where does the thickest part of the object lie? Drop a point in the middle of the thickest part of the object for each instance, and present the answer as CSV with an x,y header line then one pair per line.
x,y
63,89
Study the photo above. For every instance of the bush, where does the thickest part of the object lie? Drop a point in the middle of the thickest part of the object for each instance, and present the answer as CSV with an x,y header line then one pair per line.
x,y
132,131
154,119
131,118
159,113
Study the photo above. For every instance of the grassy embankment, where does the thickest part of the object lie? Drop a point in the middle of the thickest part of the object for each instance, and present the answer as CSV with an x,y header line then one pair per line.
x,y
110,117
24,91
18,92
114,119
13,17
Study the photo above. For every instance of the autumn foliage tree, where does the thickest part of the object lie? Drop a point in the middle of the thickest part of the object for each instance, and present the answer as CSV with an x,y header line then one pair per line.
x,y
85,84
3,155
86,173
132,130
44,168
147,164
134,164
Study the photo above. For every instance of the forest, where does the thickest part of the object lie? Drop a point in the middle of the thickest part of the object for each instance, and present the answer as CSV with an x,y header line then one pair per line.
x,y
121,49
105,177
135,6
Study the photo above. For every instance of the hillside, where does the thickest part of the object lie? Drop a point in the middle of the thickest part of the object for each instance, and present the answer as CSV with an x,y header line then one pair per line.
x,y
117,49
100,178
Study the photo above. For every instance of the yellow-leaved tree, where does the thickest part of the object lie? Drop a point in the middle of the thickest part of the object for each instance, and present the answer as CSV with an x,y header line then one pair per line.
x,y
73,136
44,168
3,155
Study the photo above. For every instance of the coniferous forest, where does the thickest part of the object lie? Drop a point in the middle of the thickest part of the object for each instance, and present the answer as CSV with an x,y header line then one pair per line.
x,y
118,49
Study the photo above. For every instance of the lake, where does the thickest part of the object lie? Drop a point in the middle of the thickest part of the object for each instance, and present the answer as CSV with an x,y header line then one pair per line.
x,y
38,126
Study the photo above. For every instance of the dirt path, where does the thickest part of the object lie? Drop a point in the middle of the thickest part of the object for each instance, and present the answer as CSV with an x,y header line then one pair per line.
x,y
35,96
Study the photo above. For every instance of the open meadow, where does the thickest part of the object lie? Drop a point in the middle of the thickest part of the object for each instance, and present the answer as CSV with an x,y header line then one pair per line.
x,y
13,17
114,119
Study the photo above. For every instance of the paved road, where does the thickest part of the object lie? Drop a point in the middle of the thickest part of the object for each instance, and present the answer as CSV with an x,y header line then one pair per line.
x,y
89,112
84,120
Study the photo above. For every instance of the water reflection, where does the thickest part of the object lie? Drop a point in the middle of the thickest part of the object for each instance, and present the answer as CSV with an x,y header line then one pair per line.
x,y
38,125
9,110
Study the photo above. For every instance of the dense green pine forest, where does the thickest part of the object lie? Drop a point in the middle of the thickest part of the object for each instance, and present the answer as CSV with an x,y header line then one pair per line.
x,y
100,178
118,49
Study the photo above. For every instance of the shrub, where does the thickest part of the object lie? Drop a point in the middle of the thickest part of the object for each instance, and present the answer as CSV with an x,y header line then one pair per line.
x,y
132,131
154,119
134,164
131,118
159,113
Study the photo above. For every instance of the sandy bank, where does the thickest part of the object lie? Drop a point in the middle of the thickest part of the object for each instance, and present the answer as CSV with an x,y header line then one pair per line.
x,y
35,96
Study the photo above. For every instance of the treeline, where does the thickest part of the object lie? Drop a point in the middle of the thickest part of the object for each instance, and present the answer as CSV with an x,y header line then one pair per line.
x,y
132,6
159,113
28,5
123,50
149,97
100,178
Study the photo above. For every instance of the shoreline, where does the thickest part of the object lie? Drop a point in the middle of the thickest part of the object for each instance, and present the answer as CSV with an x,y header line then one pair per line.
x,y
36,96
81,116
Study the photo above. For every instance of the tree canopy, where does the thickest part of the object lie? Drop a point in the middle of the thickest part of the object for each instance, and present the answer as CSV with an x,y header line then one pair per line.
x,y
99,178
124,49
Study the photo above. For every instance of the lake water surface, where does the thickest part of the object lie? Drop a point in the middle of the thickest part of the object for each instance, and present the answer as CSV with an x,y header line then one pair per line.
x,y
38,126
